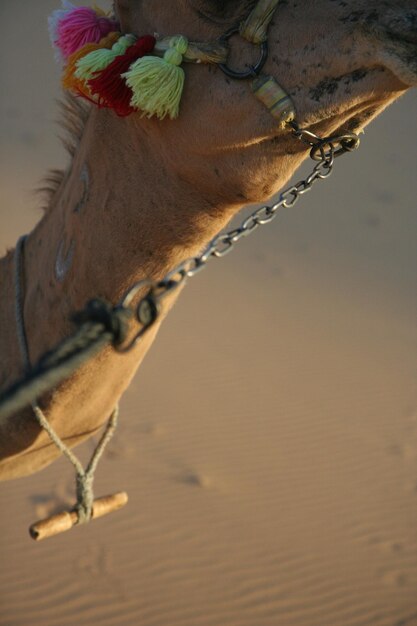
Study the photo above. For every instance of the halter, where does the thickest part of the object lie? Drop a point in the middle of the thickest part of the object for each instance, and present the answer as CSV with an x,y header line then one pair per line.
x,y
128,74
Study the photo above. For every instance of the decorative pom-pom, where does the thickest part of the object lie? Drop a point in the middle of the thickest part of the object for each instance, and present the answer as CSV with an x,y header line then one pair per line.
x,y
53,21
99,59
74,27
69,80
157,84
56,17
109,86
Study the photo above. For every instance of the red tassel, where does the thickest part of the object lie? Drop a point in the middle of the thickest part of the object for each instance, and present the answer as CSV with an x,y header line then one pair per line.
x,y
109,85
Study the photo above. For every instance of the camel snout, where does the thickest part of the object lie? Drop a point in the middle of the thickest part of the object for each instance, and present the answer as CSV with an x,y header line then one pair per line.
x,y
396,38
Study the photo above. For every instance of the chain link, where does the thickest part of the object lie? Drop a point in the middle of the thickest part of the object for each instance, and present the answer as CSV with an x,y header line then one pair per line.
x,y
322,150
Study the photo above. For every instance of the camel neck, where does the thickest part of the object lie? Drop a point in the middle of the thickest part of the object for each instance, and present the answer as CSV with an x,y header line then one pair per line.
x,y
132,205
123,212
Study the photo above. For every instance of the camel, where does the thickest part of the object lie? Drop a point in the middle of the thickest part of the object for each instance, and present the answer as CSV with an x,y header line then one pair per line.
x,y
143,194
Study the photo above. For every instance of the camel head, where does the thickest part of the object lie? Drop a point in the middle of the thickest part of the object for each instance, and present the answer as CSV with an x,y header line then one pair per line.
x,y
341,63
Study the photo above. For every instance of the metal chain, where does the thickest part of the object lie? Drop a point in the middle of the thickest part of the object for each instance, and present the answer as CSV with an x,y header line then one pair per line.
x,y
323,150
107,321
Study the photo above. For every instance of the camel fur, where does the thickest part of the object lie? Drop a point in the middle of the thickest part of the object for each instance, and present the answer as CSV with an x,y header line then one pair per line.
x,y
141,195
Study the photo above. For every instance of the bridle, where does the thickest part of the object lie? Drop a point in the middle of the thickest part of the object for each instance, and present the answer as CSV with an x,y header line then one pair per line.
x,y
322,149
255,30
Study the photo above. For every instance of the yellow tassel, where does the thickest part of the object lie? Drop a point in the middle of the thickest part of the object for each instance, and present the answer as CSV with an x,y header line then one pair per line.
x,y
99,59
69,81
157,84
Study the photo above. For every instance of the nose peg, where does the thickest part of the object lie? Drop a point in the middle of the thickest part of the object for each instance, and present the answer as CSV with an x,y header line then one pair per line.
x,y
275,98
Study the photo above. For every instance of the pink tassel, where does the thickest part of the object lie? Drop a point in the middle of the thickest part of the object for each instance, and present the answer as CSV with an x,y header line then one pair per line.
x,y
57,16
53,20
79,27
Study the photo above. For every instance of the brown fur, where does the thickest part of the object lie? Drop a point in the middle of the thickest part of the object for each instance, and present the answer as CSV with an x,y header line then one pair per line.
x,y
74,114
160,190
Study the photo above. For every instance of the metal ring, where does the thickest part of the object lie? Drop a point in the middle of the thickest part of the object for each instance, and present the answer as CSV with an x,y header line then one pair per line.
x,y
131,293
254,70
146,311
338,144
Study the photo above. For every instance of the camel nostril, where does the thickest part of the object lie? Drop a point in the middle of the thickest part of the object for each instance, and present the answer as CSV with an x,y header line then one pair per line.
x,y
399,26
403,32
395,39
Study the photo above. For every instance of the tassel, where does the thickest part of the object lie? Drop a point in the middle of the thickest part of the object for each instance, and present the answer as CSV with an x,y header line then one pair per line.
x,y
54,19
99,59
69,80
57,16
109,86
157,84
74,27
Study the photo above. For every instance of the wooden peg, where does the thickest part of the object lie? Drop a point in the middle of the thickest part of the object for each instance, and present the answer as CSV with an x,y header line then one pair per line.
x,y
275,98
60,523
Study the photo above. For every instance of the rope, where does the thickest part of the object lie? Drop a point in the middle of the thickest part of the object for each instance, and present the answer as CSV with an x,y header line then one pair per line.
x,y
84,477
99,324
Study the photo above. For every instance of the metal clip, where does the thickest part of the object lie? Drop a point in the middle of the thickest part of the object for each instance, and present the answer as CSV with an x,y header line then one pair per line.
x,y
323,148
147,310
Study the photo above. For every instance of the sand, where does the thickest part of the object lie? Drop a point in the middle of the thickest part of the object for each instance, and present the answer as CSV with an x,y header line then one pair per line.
x,y
269,442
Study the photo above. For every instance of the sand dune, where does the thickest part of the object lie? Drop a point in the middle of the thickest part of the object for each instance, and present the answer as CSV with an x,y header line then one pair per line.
x,y
269,442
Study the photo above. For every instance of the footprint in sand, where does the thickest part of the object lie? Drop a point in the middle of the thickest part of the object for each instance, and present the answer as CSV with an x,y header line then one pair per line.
x,y
194,479
391,547
151,429
407,451
394,578
94,561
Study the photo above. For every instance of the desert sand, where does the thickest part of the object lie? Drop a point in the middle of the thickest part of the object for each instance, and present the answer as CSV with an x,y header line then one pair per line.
x,y
269,442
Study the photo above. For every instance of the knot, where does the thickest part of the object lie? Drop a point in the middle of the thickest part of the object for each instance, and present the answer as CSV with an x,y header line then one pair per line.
x,y
85,497
122,44
178,47
114,319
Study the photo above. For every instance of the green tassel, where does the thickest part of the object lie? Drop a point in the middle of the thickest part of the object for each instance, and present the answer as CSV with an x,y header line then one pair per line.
x,y
98,60
157,84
